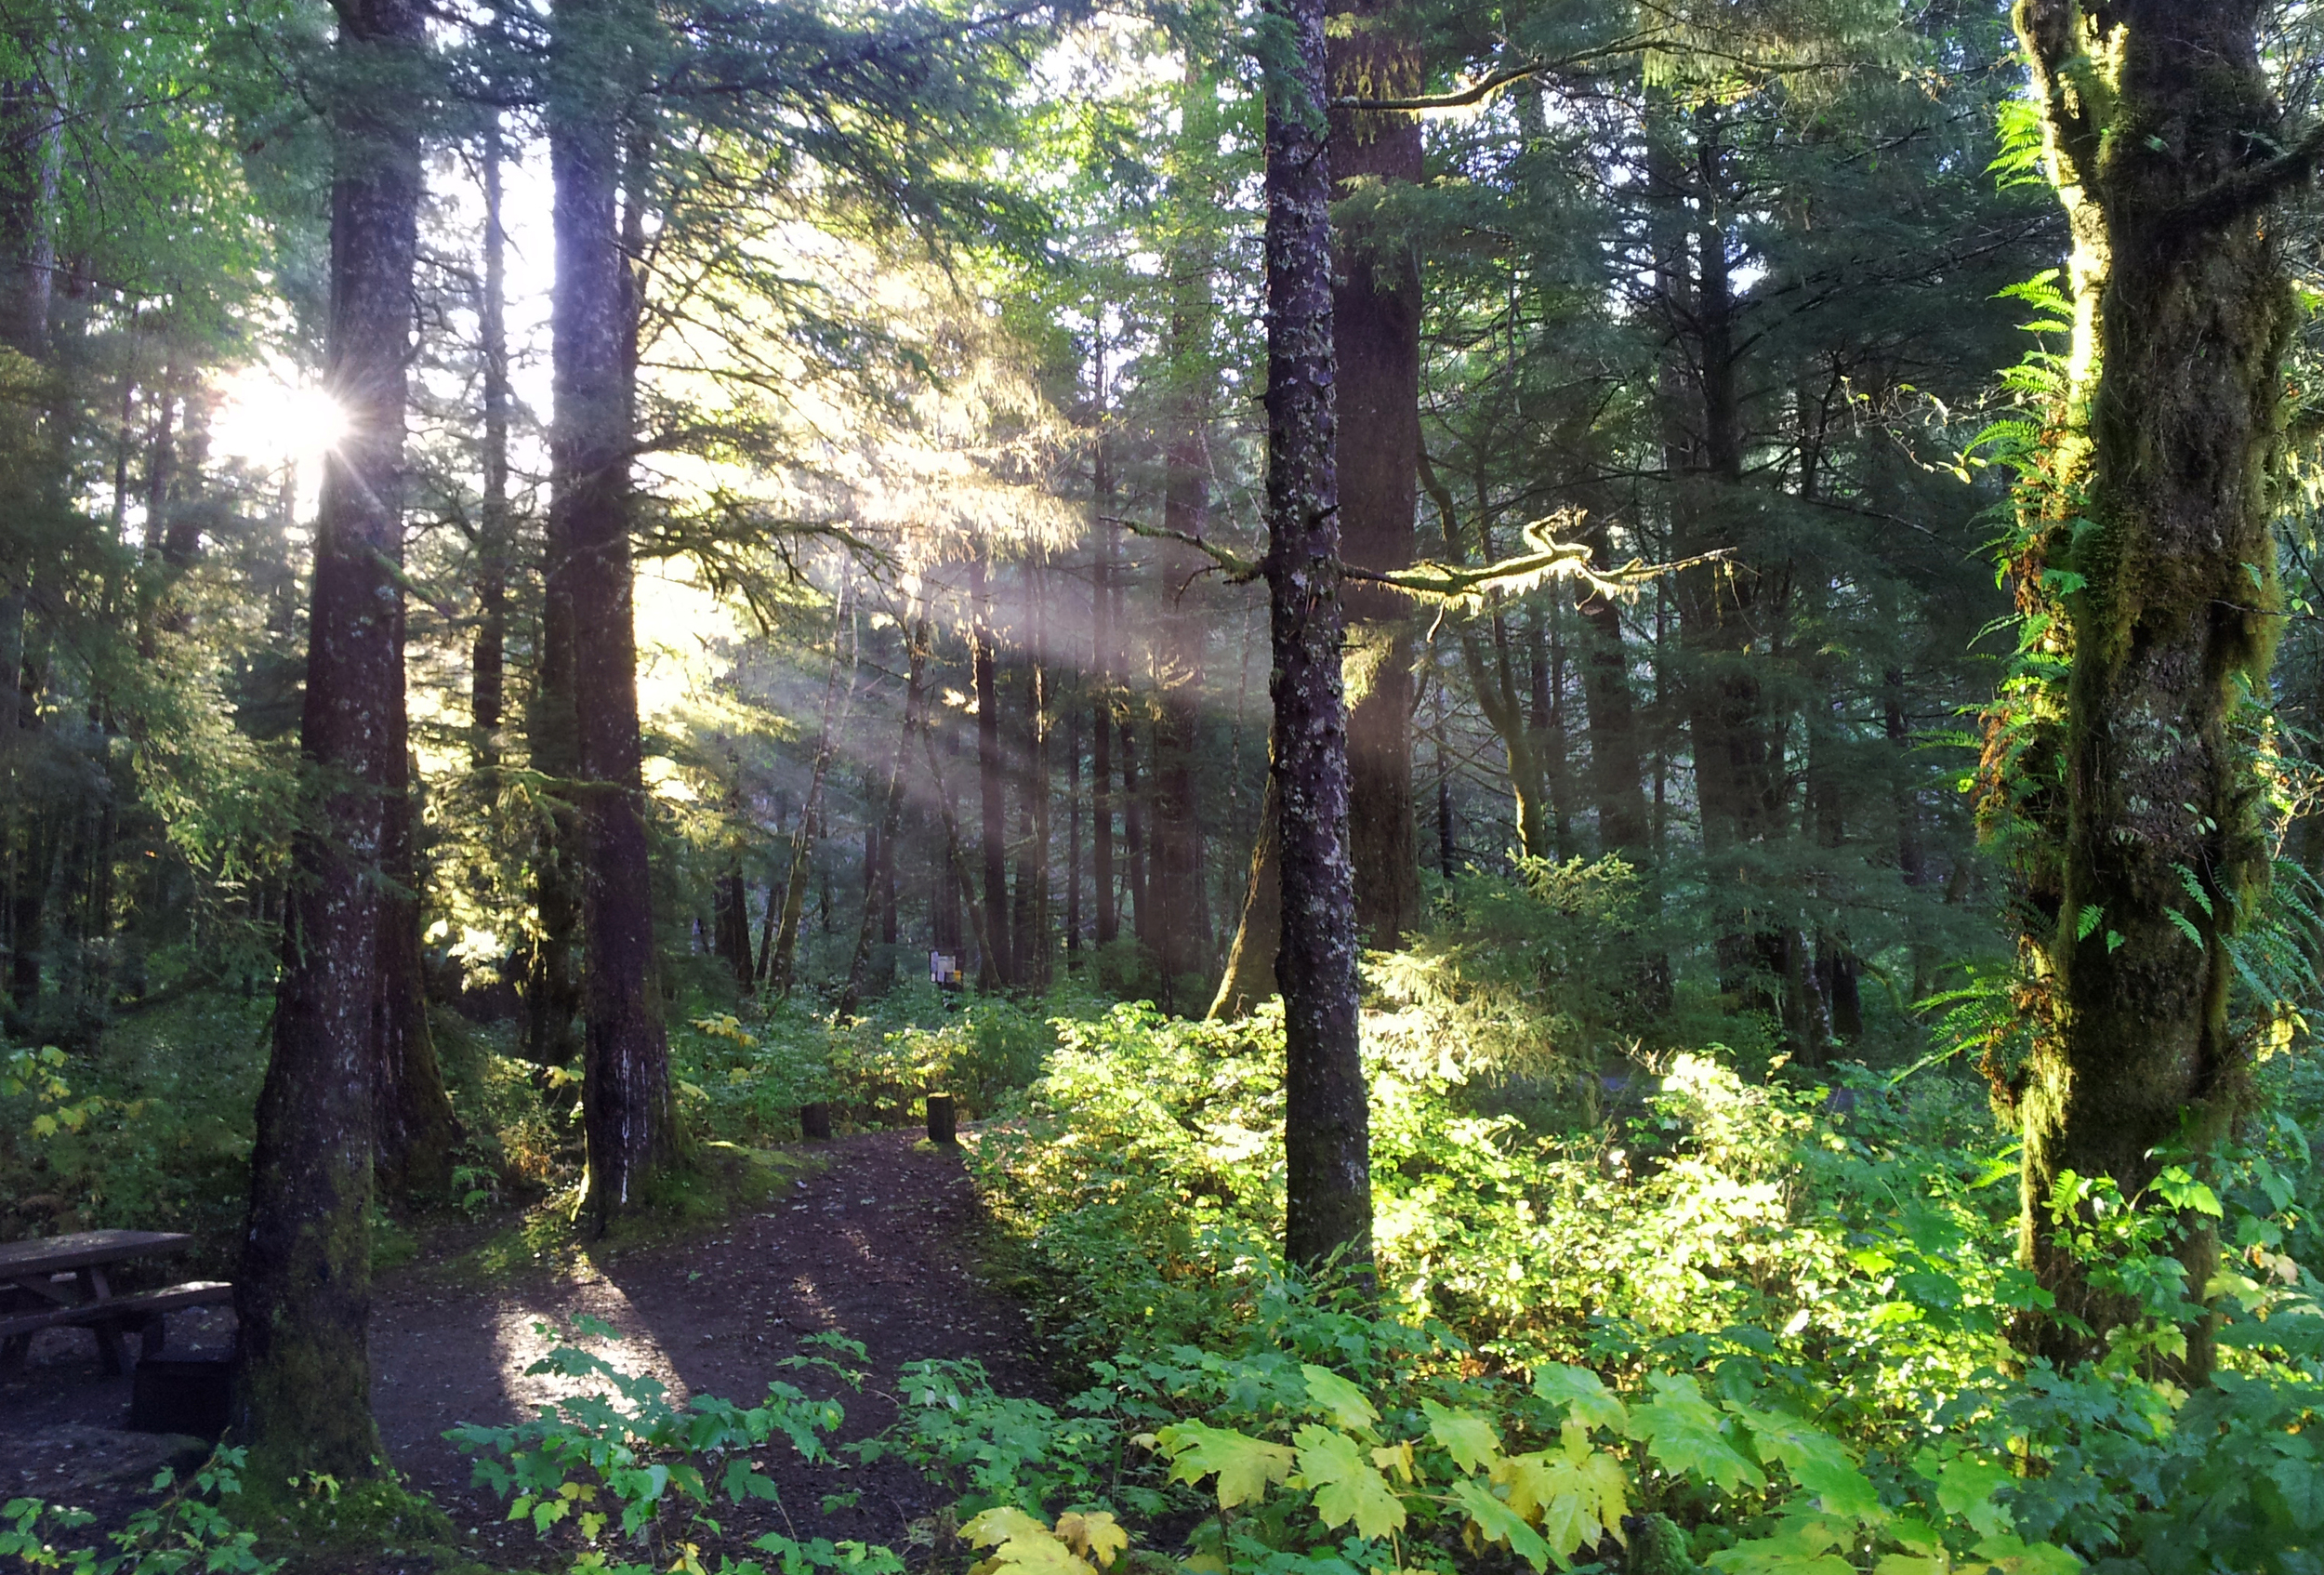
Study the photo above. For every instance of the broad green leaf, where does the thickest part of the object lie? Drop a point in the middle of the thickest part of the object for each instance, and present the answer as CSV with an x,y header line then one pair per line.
x,y
1913,1564
1684,1436
1469,1439
1245,1465
1581,1392
1801,1547
2301,1485
2010,1557
1496,1522
1347,1486
1339,1399
1966,1487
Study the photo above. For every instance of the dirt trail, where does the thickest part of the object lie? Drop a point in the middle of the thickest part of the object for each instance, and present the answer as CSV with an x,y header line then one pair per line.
x,y
878,1245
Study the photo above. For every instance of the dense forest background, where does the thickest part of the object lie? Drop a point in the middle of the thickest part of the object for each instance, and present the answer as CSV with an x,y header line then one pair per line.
x,y
1713,388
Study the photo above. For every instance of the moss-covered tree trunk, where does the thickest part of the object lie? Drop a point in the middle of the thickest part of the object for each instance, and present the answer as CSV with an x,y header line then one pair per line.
x,y
2162,138
302,1401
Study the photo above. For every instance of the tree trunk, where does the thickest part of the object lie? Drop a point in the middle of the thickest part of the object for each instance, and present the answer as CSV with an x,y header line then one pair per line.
x,y
302,1394
1102,709
1326,1113
2158,117
1376,338
781,973
1181,917
487,660
994,970
414,1131
1073,840
1616,770
1251,960
628,1119
891,810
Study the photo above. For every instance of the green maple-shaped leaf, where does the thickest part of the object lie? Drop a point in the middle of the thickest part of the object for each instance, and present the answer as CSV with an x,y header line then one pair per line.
x,y
1496,1522
1339,1399
1347,1486
1469,1439
1685,1436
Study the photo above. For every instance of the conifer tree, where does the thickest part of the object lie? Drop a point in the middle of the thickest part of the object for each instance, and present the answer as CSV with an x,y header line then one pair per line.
x,y
303,1293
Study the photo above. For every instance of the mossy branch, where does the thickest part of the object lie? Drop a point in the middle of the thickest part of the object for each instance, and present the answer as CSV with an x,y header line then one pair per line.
x,y
1463,586
2256,185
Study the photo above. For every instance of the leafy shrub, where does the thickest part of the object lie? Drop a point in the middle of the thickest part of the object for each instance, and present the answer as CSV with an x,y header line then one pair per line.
x,y
185,1531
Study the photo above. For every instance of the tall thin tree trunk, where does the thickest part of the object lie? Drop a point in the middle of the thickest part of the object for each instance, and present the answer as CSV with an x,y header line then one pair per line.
x,y
890,808
1327,1112
782,971
414,1128
487,660
993,968
1376,338
629,1116
1073,838
1101,691
302,1393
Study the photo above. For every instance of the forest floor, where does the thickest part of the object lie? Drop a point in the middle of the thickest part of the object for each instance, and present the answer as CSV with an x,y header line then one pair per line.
x,y
878,1236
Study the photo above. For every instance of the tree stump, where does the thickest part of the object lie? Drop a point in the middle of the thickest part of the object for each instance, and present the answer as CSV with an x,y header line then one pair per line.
x,y
814,1121
943,1125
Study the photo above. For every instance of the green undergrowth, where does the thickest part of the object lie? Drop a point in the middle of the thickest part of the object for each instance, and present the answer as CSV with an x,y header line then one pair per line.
x,y
1764,1307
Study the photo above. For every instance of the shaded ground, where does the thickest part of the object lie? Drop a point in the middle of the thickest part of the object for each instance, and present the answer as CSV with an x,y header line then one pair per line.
x,y
880,1244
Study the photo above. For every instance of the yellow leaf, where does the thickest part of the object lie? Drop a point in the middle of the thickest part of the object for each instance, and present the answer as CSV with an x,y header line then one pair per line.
x,y
1245,1465
1397,1458
1027,1545
1000,1525
1573,1501
1095,1535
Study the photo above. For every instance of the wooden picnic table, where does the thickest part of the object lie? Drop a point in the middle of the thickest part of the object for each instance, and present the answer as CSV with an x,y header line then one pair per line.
x,y
64,1280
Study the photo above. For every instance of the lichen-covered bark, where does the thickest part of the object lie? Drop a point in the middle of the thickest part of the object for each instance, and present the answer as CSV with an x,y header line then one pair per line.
x,y
302,1401
1375,341
628,1117
1327,1116
2159,121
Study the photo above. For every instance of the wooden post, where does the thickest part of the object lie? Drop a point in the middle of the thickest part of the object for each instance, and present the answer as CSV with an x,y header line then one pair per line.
x,y
814,1121
942,1122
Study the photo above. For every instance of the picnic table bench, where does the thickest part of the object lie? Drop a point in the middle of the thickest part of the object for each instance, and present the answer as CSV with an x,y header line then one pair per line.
x,y
59,1281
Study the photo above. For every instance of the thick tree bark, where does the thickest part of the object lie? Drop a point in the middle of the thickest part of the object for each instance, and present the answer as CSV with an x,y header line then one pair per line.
x,y
1327,1112
627,1115
302,1395
2161,131
1376,338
